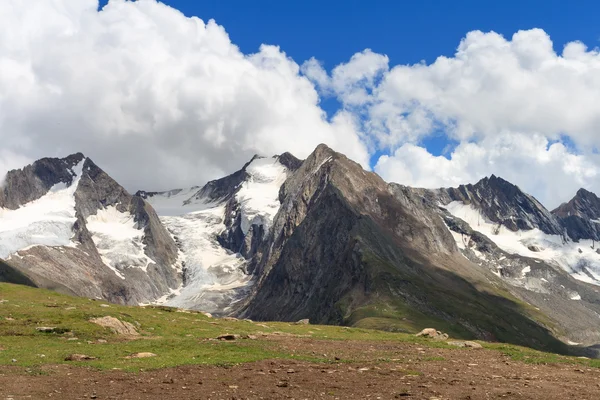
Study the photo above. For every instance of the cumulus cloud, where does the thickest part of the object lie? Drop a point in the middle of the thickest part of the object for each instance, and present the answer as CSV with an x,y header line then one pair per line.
x,y
505,101
156,98
161,100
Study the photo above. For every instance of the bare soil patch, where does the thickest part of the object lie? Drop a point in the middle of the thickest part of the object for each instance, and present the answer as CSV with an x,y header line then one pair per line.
x,y
357,370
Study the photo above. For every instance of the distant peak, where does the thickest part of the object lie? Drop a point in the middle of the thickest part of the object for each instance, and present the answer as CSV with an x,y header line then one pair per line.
x,y
585,193
289,161
495,181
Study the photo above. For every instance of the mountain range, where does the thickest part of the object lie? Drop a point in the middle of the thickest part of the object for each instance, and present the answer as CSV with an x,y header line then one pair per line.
x,y
321,238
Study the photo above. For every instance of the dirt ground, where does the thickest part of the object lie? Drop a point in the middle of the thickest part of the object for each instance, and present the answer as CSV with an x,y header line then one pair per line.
x,y
357,370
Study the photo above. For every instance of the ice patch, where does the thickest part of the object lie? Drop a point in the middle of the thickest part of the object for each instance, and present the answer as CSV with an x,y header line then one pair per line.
x,y
578,259
47,221
525,271
118,240
175,202
212,272
575,296
259,195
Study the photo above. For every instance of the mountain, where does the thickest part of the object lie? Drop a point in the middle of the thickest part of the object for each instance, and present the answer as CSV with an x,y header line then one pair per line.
x,y
218,227
66,225
581,216
321,238
348,248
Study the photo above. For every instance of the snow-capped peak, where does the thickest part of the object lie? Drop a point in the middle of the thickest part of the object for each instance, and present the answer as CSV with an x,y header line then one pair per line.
x,y
46,221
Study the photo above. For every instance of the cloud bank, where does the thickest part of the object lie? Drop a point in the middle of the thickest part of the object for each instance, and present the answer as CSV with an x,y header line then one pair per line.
x,y
156,98
516,107
161,100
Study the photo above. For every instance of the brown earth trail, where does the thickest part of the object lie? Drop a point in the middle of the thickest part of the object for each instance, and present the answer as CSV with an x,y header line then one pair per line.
x,y
357,370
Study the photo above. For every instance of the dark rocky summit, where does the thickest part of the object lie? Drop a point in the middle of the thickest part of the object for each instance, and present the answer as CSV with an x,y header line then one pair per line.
x,y
580,216
505,204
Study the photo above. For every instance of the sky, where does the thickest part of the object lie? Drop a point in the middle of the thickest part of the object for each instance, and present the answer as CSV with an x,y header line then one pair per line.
x,y
427,93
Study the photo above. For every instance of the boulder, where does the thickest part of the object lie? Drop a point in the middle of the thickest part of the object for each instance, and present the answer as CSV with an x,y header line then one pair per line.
x,y
117,326
432,334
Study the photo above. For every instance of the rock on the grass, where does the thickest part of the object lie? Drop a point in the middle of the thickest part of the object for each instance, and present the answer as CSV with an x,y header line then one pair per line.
x,y
46,329
116,325
433,334
303,322
141,355
228,336
79,357
461,343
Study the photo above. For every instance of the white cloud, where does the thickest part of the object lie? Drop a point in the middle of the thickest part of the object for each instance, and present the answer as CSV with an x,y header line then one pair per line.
x,y
503,100
156,98
547,170
161,100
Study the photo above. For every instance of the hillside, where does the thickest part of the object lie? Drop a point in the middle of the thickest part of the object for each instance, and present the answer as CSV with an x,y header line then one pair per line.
x,y
268,360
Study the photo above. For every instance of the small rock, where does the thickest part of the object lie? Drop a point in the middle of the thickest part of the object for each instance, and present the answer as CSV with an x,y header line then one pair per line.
x,y
46,329
13,360
141,355
228,336
9,319
104,305
102,341
229,319
283,384
206,314
72,338
305,321
461,343
79,357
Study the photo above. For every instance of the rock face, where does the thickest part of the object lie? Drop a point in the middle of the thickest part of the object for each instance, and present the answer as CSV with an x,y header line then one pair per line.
x,y
68,226
347,248
219,227
580,216
504,204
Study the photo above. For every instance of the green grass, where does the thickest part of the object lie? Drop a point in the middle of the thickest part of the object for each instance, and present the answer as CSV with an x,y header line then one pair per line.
x,y
178,338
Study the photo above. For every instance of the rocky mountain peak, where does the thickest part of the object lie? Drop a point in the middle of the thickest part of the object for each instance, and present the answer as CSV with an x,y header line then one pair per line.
x,y
35,180
585,204
504,203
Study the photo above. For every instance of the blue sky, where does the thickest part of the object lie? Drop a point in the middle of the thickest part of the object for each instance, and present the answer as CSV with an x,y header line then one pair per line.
x,y
408,32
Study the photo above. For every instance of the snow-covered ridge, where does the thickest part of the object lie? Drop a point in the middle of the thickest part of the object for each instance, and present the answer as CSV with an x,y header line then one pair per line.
x,y
47,221
213,274
580,259
118,240
259,194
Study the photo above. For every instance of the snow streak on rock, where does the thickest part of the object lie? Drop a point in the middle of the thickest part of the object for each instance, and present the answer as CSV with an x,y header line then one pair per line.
x,y
47,221
118,240
259,195
214,277
580,259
